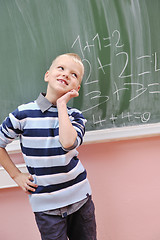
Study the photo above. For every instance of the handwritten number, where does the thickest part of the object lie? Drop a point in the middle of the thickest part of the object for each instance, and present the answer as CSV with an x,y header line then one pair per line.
x,y
99,42
118,38
80,45
125,65
95,95
89,73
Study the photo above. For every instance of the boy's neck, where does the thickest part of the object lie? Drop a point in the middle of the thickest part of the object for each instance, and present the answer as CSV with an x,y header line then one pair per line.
x,y
51,99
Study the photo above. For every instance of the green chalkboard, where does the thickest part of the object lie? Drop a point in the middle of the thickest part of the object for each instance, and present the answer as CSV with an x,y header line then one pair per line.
x,y
118,40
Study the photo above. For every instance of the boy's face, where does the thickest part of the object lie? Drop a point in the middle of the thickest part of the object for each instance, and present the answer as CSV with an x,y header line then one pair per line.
x,y
64,75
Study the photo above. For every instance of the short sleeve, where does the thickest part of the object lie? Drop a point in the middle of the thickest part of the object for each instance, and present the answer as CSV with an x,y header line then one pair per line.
x,y
78,122
10,129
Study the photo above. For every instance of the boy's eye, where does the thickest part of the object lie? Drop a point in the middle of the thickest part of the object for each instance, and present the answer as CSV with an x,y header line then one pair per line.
x,y
75,75
61,68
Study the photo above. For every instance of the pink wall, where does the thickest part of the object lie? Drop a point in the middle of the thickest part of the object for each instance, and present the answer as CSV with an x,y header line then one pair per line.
x,y
125,179
16,217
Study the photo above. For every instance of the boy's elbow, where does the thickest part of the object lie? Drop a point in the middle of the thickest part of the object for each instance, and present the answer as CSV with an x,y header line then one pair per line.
x,y
66,145
68,140
69,145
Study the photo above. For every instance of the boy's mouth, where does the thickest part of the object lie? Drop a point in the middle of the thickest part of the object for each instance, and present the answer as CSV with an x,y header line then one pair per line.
x,y
62,81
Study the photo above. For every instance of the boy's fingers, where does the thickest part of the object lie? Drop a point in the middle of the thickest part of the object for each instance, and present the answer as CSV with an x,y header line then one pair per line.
x,y
67,96
30,183
73,91
30,177
31,189
28,189
72,94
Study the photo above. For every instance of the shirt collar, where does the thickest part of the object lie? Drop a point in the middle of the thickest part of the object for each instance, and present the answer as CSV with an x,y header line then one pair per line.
x,y
43,102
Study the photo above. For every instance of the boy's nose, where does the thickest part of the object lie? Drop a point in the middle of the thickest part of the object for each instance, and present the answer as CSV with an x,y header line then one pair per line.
x,y
66,74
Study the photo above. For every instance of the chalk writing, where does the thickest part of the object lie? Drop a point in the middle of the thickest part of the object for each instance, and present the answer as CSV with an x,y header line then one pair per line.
x,y
125,117
118,38
126,63
102,66
126,82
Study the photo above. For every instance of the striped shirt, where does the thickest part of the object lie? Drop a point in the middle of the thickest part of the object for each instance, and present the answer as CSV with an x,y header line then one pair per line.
x,y
59,174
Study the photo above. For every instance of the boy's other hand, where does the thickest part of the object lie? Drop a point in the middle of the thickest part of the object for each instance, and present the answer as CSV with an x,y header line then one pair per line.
x,y
67,96
25,181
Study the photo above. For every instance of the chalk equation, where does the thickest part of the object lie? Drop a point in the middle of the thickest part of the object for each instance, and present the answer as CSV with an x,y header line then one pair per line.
x,y
127,80
143,117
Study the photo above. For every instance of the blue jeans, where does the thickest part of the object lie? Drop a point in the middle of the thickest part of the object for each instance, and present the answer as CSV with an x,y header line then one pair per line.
x,y
80,225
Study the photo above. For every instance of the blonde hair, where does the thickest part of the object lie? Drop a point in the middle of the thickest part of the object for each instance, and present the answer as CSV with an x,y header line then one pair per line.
x,y
75,57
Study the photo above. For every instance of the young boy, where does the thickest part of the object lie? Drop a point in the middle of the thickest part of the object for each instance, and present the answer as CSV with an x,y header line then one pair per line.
x,y
50,132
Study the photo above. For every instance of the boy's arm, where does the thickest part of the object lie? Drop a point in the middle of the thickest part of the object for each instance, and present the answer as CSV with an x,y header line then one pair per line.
x,y
24,180
67,133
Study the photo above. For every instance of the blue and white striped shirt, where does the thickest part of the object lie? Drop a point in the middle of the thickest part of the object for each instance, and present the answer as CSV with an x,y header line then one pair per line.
x,y
59,174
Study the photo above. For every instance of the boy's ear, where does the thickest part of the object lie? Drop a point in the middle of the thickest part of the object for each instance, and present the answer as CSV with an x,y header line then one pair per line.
x,y
78,88
46,76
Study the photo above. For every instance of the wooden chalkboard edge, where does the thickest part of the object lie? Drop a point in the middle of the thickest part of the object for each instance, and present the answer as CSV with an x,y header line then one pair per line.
x,y
107,135
122,133
6,181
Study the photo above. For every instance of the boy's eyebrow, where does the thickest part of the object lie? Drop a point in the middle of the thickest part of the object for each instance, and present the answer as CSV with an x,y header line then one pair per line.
x,y
72,70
